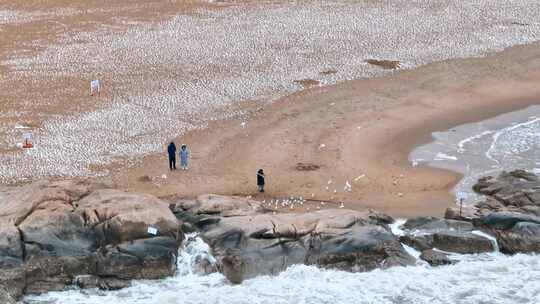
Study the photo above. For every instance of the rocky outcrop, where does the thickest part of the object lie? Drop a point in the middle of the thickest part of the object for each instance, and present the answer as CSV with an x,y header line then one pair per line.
x,y
209,208
54,232
511,210
94,281
504,220
457,242
425,233
523,237
517,191
434,224
249,241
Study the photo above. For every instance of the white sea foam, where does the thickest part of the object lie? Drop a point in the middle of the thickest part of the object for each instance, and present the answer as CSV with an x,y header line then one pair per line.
x,y
515,146
506,142
492,239
476,279
462,143
443,156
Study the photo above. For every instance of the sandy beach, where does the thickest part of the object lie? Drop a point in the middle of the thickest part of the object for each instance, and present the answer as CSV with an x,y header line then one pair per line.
x,y
315,137
372,120
359,128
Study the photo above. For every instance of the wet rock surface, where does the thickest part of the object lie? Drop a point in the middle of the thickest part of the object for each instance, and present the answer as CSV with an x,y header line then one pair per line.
x,y
436,258
459,242
55,232
511,210
425,233
247,241
515,191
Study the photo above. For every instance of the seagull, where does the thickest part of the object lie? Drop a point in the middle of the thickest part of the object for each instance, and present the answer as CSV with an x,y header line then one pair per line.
x,y
359,177
347,187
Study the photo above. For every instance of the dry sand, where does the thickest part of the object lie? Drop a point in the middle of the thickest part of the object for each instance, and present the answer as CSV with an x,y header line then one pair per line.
x,y
368,127
170,66
357,128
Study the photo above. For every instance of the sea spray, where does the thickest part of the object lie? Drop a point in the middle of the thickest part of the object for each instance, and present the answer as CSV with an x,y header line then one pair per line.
x,y
191,254
506,142
485,278
396,229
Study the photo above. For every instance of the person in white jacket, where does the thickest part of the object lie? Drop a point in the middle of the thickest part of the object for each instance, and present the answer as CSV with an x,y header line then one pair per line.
x,y
184,157
95,87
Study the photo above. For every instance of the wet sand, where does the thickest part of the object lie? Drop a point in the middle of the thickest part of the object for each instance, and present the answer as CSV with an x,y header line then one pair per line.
x,y
368,127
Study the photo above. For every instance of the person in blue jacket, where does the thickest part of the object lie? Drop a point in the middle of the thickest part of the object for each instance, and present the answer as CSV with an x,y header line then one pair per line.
x,y
171,149
184,156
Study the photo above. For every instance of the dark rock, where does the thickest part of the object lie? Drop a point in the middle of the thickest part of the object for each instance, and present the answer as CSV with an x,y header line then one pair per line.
x,y
105,283
13,280
204,266
157,256
511,210
246,246
12,273
437,224
448,235
436,258
458,242
418,242
151,258
113,283
233,266
413,223
517,189
465,243
363,249
504,220
523,237
50,273
87,281
206,223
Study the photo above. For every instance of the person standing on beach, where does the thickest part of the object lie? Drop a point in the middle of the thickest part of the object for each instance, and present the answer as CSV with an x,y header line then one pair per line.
x,y
184,156
171,149
260,180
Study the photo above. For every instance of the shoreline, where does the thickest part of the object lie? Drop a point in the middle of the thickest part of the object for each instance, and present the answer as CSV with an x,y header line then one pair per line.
x,y
146,99
360,129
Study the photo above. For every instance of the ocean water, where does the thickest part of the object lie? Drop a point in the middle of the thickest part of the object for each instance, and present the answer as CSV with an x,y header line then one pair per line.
x,y
506,142
487,278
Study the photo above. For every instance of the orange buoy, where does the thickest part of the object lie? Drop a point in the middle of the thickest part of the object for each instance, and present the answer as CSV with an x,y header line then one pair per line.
x,y
28,141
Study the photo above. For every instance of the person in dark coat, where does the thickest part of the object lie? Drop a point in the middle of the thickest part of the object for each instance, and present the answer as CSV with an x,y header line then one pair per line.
x,y
171,149
260,180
